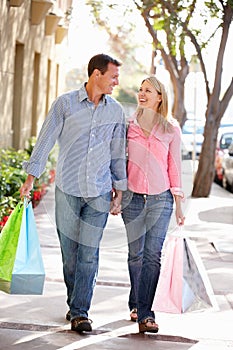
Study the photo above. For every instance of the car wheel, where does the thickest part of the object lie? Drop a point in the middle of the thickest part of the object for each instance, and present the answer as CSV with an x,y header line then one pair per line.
x,y
225,183
217,180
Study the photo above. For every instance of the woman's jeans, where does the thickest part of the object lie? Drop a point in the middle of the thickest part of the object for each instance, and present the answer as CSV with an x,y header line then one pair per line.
x,y
80,224
146,218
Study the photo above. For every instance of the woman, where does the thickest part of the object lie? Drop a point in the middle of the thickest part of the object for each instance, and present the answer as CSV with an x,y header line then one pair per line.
x,y
154,182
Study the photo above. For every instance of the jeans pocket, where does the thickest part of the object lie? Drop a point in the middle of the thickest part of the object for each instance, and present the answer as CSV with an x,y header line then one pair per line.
x,y
126,198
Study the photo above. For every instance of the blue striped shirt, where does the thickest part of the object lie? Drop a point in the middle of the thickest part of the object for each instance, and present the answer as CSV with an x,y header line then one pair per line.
x,y
91,141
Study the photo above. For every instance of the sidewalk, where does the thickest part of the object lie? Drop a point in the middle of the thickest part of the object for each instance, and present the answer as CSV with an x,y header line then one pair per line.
x,y
37,322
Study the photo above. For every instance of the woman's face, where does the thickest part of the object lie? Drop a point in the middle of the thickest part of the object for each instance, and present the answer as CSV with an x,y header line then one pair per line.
x,y
148,96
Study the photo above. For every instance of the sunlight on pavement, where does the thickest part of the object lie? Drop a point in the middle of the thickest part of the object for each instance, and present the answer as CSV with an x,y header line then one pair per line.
x,y
99,338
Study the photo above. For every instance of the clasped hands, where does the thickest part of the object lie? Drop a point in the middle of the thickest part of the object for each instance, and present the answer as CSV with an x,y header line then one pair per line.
x,y
115,205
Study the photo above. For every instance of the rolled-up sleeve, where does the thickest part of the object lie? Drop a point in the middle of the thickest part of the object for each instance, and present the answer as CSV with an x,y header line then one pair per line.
x,y
174,163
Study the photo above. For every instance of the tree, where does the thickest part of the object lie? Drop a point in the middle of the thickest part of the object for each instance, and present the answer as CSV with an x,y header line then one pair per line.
x,y
216,105
122,45
177,16
173,30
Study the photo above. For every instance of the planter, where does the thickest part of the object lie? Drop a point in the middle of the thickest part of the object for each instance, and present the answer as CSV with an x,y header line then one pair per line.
x,y
39,8
51,23
16,3
60,34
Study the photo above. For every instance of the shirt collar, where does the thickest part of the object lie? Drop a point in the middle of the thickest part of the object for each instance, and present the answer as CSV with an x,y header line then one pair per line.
x,y
133,119
156,131
83,93
84,96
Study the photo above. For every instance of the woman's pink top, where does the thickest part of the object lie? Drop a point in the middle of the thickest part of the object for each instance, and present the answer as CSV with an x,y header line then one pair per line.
x,y
154,162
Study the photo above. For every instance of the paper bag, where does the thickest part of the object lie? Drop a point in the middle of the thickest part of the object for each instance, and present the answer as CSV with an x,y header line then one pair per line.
x,y
183,283
21,265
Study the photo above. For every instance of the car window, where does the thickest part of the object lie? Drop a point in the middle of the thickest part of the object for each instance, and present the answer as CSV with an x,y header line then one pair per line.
x,y
226,140
188,129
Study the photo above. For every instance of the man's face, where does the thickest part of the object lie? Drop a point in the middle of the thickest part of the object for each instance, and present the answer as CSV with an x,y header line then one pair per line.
x,y
109,79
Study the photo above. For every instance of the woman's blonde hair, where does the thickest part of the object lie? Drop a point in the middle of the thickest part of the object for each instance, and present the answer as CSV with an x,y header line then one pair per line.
x,y
159,87
163,116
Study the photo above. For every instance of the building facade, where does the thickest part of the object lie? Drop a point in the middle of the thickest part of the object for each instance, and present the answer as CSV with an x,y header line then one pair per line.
x,y
32,55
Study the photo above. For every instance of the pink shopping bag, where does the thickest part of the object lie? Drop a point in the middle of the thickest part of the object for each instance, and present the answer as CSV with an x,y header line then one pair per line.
x,y
168,297
183,283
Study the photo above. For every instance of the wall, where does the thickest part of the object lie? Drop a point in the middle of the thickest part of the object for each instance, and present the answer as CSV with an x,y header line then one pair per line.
x,y
30,70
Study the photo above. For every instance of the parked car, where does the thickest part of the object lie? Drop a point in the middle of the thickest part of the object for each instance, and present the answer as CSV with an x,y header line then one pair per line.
x,y
227,169
188,134
225,138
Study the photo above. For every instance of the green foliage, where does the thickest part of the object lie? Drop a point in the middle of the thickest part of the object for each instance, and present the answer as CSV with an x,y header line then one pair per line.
x,y
126,97
12,177
159,24
213,8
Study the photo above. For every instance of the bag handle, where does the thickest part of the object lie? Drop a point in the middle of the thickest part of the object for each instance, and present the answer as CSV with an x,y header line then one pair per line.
x,y
26,201
178,232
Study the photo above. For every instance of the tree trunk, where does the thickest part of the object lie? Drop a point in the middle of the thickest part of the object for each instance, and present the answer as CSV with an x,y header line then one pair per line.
x,y
178,84
178,108
205,172
215,109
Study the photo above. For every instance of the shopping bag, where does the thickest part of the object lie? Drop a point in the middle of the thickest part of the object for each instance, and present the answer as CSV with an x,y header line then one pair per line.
x,y
168,296
8,246
27,274
183,283
198,293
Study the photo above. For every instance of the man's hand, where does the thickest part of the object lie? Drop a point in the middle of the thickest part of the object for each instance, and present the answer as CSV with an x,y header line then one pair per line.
x,y
25,190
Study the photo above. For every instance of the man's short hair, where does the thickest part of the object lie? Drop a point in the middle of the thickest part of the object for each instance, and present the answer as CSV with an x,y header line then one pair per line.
x,y
101,62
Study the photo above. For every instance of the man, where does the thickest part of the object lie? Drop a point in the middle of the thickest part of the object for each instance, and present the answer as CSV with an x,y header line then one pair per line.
x,y
89,127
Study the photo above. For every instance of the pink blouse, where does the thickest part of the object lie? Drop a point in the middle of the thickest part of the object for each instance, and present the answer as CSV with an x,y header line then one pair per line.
x,y
154,162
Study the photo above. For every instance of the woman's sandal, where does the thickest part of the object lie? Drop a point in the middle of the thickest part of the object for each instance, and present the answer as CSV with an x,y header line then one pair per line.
x,y
148,325
134,315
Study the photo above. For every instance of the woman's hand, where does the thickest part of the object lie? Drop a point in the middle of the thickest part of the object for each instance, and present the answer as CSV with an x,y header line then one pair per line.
x,y
178,212
179,217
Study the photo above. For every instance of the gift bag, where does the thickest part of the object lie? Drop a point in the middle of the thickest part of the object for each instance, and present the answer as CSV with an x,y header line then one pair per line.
x,y
8,246
183,283
21,265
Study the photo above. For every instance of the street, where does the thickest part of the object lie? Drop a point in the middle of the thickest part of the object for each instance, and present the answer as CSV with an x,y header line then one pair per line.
x,y
38,322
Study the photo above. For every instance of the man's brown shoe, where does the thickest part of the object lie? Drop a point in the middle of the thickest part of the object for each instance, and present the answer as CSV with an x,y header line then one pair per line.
x,y
68,316
148,325
134,315
81,324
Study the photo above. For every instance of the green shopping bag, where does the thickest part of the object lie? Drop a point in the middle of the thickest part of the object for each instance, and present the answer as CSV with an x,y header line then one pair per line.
x,y
8,246
21,265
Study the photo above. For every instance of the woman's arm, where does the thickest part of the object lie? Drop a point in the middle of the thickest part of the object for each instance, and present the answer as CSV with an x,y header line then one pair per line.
x,y
178,211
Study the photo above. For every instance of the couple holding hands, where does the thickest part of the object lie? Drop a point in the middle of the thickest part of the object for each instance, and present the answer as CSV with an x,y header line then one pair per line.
x,y
93,178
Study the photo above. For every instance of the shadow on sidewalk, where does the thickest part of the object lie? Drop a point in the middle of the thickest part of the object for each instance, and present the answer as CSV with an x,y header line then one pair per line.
x,y
222,215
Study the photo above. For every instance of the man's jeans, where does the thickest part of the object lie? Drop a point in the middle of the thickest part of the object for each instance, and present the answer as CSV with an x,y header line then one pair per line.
x,y
146,218
80,223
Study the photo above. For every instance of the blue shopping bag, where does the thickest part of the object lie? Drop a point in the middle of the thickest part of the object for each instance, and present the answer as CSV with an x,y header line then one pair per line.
x,y
28,273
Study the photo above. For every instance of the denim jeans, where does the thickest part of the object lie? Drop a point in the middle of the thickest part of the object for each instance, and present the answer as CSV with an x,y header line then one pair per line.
x,y
80,224
146,218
